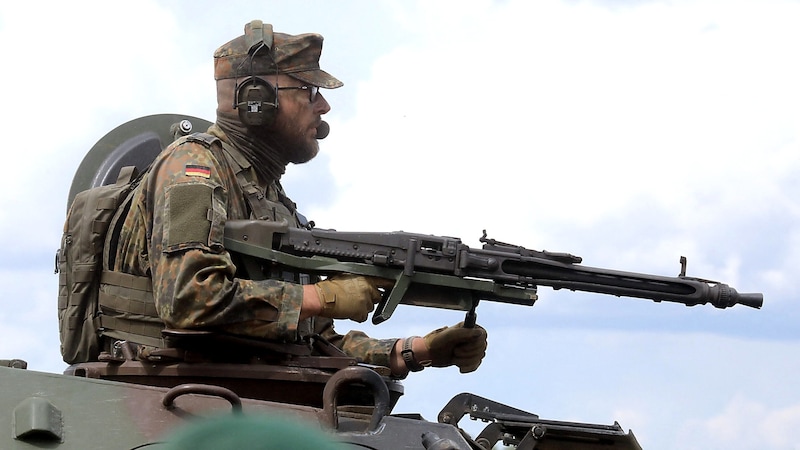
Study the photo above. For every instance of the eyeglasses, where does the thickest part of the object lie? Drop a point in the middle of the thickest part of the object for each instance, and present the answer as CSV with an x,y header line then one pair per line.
x,y
312,91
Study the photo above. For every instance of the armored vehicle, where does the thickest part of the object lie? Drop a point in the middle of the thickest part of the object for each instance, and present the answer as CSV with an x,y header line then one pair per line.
x,y
123,402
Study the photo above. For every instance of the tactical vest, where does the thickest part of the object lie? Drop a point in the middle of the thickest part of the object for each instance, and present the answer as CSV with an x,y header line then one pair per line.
x,y
126,301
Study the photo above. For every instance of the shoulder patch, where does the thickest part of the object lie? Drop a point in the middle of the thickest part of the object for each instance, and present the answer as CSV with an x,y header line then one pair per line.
x,y
194,170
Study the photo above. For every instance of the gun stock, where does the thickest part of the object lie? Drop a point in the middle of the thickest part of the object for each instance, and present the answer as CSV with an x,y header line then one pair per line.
x,y
442,272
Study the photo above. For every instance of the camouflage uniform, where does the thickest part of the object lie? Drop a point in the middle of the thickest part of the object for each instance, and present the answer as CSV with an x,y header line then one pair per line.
x,y
174,233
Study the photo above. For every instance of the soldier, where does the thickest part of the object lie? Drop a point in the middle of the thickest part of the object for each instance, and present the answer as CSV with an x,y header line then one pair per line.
x,y
268,115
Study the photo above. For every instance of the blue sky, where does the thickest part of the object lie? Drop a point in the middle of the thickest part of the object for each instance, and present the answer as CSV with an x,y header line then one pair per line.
x,y
629,133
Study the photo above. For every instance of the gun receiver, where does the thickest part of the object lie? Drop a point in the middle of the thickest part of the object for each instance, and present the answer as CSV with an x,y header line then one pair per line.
x,y
442,272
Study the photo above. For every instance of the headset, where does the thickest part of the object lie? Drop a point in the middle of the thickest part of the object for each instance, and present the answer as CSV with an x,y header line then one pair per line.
x,y
255,99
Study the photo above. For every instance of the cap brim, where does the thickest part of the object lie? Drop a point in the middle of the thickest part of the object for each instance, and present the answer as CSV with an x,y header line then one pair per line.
x,y
317,77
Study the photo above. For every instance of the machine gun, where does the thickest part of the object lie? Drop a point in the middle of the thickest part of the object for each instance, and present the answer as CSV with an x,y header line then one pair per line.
x,y
442,272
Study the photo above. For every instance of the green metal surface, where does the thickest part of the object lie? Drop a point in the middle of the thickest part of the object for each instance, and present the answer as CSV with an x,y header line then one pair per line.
x,y
135,142
44,410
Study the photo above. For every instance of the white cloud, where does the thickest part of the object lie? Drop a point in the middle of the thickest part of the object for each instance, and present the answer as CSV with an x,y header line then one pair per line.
x,y
747,423
28,327
572,113
77,76
551,122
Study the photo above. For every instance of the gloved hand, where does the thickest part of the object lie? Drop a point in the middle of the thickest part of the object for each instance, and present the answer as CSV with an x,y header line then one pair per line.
x,y
349,296
457,346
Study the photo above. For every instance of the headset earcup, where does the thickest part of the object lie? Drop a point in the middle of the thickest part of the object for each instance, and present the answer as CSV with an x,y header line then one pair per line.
x,y
256,102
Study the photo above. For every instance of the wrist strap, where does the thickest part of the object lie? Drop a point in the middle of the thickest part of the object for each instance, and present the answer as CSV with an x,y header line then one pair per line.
x,y
408,355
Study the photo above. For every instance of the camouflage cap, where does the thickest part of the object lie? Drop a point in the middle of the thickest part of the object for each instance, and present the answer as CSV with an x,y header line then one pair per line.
x,y
296,56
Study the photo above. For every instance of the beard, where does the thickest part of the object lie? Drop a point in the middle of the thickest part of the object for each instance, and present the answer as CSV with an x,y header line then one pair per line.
x,y
293,142
269,148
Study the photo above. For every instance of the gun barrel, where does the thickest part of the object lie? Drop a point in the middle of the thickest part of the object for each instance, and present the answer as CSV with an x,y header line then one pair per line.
x,y
685,290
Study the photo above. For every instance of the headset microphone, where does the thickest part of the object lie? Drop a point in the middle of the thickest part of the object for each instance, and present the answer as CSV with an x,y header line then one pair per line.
x,y
323,129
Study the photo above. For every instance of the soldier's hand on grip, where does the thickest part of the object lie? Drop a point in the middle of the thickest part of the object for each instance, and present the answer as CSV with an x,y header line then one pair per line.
x,y
457,346
349,296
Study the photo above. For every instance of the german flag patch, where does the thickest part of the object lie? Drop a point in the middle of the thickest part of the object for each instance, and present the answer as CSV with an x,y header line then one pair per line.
x,y
193,170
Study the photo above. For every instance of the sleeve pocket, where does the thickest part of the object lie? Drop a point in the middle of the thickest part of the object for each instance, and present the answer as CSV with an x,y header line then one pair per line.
x,y
189,218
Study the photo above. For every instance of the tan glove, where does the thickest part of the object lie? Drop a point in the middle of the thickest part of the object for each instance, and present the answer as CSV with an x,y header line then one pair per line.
x,y
349,296
457,346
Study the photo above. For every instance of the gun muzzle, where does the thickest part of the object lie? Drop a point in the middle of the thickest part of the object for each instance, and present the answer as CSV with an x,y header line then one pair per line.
x,y
754,300
728,297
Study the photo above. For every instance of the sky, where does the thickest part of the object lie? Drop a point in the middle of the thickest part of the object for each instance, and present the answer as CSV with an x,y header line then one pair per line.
x,y
627,132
